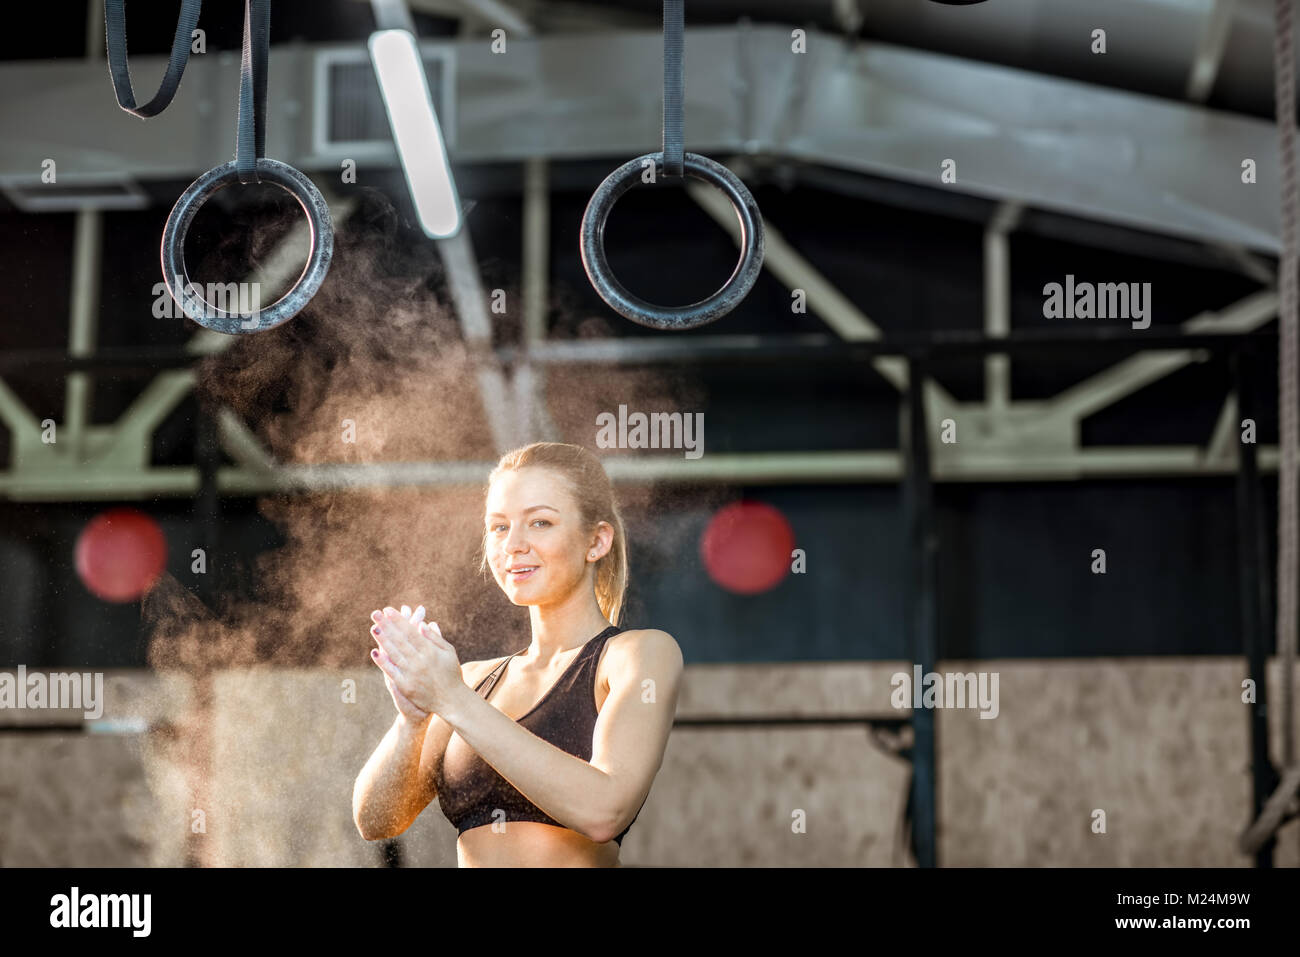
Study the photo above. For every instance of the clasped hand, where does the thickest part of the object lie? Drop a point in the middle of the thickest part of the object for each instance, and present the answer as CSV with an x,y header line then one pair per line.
x,y
420,667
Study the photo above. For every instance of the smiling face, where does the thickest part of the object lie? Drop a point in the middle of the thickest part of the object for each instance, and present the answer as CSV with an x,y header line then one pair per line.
x,y
535,541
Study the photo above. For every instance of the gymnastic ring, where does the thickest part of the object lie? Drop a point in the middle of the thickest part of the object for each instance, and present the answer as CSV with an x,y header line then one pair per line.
x,y
189,297
732,292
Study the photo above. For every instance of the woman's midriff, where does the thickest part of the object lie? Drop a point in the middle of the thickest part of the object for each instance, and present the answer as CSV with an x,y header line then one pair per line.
x,y
532,844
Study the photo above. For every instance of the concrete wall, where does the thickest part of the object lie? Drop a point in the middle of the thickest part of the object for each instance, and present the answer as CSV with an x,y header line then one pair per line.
x,y
1159,745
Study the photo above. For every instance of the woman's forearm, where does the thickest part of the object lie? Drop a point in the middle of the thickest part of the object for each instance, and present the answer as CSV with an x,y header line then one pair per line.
x,y
386,797
569,789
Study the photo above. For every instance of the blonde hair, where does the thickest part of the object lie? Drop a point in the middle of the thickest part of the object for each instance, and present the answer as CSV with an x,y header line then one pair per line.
x,y
594,494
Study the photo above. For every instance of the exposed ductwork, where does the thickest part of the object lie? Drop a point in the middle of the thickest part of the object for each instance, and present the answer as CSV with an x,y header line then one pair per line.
x,y
1215,51
1041,142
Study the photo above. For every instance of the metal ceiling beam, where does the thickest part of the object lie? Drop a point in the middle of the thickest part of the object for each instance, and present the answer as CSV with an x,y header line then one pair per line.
x,y
997,302
112,460
754,468
1041,436
529,380
469,300
1044,446
1128,376
1042,142
824,299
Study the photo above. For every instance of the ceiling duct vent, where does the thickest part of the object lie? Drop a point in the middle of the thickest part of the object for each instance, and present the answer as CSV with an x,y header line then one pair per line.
x,y
349,117
74,192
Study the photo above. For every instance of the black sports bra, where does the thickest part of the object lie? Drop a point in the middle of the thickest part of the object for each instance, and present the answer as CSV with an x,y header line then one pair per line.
x,y
470,791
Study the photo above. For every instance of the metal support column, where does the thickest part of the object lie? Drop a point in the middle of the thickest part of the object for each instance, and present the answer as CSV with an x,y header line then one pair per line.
x,y
207,504
921,613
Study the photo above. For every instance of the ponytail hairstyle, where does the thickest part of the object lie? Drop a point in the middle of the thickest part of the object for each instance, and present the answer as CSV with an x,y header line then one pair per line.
x,y
594,495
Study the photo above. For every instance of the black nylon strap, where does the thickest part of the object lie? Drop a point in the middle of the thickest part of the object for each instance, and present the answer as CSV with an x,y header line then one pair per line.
x,y
115,28
251,145
674,85
497,672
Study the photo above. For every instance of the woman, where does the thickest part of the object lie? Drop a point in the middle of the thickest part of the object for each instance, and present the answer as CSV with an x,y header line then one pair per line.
x,y
545,757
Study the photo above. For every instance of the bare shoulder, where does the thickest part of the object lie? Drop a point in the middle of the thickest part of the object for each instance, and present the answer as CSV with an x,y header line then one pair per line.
x,y
646,646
